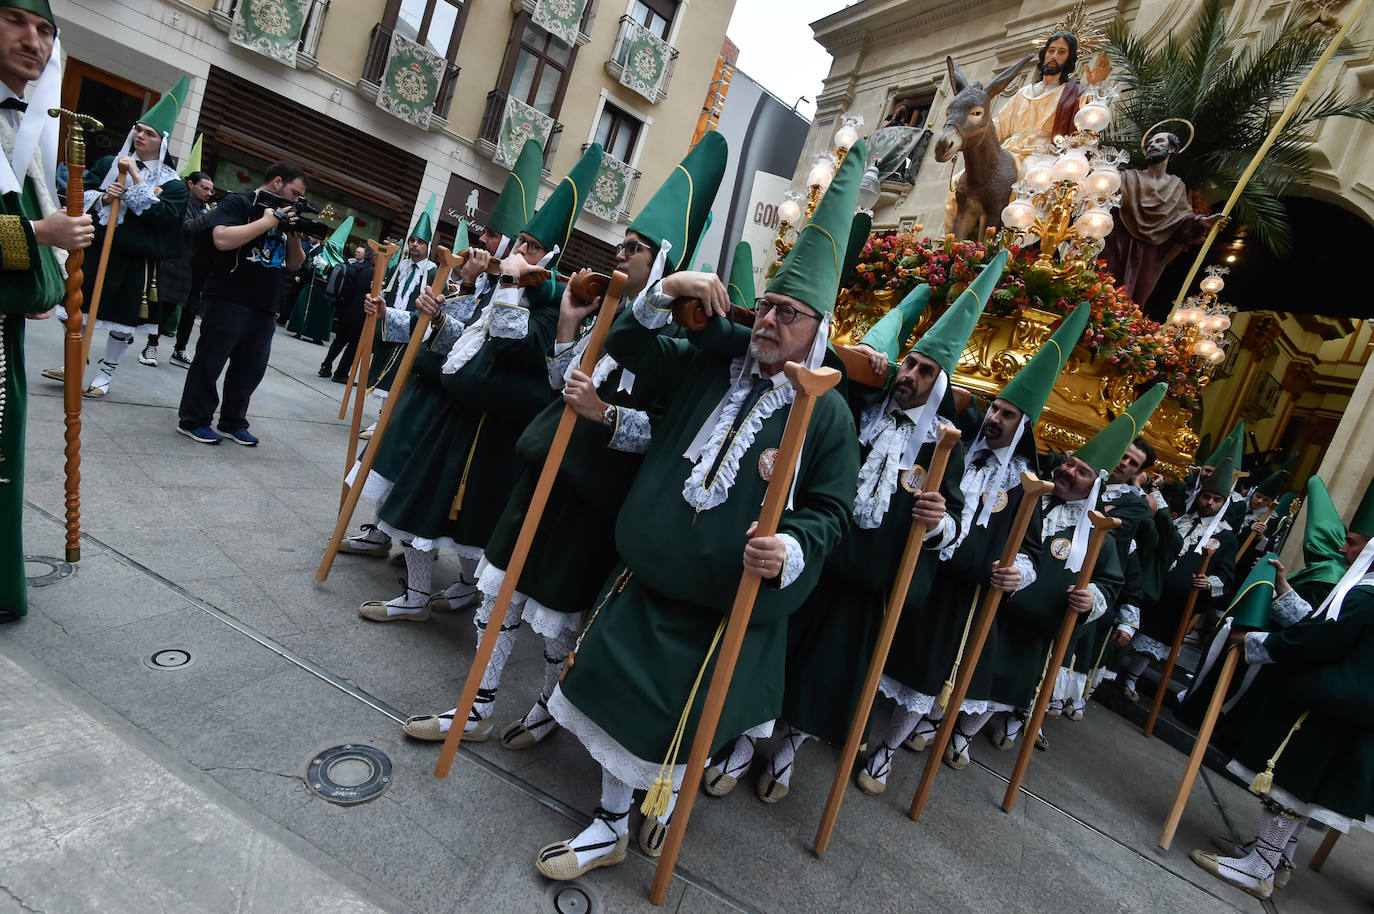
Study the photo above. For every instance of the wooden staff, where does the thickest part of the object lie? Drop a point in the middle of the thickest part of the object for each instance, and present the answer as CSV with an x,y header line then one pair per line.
x,y
906,568
1031,490
1184,624
447,261
370,324
100,272
73,366
810,385
362,361
1204,736
1101,525
610,304
1319,858
1251,538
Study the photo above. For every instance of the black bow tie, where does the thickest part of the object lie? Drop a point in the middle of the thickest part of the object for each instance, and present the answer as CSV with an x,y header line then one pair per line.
x,y
14,104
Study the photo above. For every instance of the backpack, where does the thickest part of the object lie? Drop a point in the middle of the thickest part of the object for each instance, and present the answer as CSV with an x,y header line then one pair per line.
x,y
334,285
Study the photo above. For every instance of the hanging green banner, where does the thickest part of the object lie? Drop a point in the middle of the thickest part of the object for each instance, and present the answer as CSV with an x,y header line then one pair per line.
x,y
270,27
410,82
646,61
560,18
610,189
520,122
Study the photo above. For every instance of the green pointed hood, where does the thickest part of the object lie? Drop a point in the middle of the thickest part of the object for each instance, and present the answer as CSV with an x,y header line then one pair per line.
x,y
1272,484
741,285
333,249
1227,446
945,340
518,201
894,327
162,117
1030,388
552,226
424,226
811,272
1322,538
1220,481
1103,451
1363,521
37,7
858,237
678,210
193,160
1250,608
460,237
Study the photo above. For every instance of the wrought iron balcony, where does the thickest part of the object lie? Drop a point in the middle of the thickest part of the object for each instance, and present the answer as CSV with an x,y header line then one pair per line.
x,y
374,69
647,68
222,15
613,193
507,123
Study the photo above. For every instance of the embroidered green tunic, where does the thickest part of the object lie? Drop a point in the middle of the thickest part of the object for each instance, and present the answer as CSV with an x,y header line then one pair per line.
x,y
313,313
635,667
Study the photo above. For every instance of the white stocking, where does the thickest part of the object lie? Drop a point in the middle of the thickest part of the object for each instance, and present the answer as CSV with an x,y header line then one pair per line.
x,y
115,346
419,573
740,757
1134,665
1275,832
611,820
966,728
781,764
505,639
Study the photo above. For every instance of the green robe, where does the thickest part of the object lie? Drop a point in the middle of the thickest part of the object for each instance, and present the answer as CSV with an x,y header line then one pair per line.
x,y
386,356
639,657
830,639
1159,620
129,296
1030,618
32,284
313,313
1134,512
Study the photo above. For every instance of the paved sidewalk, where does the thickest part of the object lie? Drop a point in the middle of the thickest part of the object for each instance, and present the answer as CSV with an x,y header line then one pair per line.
x,y
189,786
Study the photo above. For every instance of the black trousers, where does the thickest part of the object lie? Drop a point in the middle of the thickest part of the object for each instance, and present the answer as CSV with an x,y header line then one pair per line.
x,y
345,342
240,337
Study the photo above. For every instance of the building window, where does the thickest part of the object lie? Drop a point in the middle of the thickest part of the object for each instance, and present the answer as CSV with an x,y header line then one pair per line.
x,y
540,68
441,32
909,111
655,15
617,132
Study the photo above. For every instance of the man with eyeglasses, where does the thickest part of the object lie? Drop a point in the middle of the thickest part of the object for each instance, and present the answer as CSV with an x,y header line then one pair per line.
x,y
451,486
686,531
563,573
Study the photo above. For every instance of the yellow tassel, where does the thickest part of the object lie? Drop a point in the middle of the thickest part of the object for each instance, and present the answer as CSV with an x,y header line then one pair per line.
x,y
946,693
1264,781
567,665
947,689
572,655
656,800
463,483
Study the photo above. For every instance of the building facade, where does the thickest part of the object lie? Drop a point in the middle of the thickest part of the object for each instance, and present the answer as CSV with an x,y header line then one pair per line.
x,y
385,102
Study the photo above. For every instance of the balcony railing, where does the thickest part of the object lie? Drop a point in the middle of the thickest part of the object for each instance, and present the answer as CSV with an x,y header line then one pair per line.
x,y
374,69
630,30
222,14
497,134
613,193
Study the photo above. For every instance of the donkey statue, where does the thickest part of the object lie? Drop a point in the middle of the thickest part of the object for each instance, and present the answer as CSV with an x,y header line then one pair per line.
x,y
983,188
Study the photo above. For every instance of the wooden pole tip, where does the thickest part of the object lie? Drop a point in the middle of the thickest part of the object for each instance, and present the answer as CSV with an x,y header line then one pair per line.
x,y
812,383
382,248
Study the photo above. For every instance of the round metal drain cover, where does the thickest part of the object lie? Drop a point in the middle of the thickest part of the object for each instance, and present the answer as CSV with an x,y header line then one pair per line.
x,y
170,658
575,897
49,571
349,774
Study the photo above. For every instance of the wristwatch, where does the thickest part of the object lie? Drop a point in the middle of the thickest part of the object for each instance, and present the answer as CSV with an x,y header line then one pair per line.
x,y
507,279
609,416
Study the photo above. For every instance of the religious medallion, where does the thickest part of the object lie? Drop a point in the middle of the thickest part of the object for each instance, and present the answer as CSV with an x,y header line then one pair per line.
x,y
766,461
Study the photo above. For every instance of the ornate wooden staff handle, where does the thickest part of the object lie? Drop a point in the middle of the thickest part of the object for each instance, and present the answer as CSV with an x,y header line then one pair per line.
x,y
692,314
587,287
364,350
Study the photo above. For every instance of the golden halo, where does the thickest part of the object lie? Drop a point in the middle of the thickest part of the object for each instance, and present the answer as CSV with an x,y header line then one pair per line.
x,y
1192,131
1090,37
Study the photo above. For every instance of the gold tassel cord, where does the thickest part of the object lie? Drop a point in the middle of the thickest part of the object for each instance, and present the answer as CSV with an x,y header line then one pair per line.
x,y
947,688
463,483
1264,781
620,583
1097,665
656,800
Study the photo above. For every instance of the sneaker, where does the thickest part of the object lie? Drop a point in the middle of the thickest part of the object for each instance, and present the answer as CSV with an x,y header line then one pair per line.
x,y
148,356
241,436
339,379
205,434
324,371
180,359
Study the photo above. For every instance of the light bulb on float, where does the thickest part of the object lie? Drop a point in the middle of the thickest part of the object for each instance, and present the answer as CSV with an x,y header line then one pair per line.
x,y
1071,166
1217,356
1093,116
1212,284
789,211
870,188
1103,182
1204,347
1095,223
1019,214
1039,172
822,170
1221,322
846,137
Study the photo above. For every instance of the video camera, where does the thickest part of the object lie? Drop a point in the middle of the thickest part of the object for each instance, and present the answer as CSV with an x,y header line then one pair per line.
x,y
264,200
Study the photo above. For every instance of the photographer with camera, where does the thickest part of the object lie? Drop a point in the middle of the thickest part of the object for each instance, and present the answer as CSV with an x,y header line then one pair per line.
x,y
257,239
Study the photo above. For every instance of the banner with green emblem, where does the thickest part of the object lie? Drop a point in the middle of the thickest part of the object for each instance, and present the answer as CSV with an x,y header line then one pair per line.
x,y
520,122
646,61
610,189
410,82
270,27
560,18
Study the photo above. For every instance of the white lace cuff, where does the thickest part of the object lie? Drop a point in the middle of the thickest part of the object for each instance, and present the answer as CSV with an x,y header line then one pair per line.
x,y
396,325
1099,604
510,319
1027,568
1218,588
1128,629
461,308
1128,618
1255,651
1290,609
653,309
138,198
794,564
631,433
941,535
558,363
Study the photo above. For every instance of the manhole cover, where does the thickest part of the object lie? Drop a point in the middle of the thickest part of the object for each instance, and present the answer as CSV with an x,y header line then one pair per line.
x,y
349,774
573,897
48,571
170,658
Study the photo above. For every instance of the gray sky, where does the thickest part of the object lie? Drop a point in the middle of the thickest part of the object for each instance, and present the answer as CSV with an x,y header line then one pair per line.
x,y
777,49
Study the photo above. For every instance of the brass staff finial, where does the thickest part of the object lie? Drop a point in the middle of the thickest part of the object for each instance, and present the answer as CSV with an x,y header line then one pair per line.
x,y
76,138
